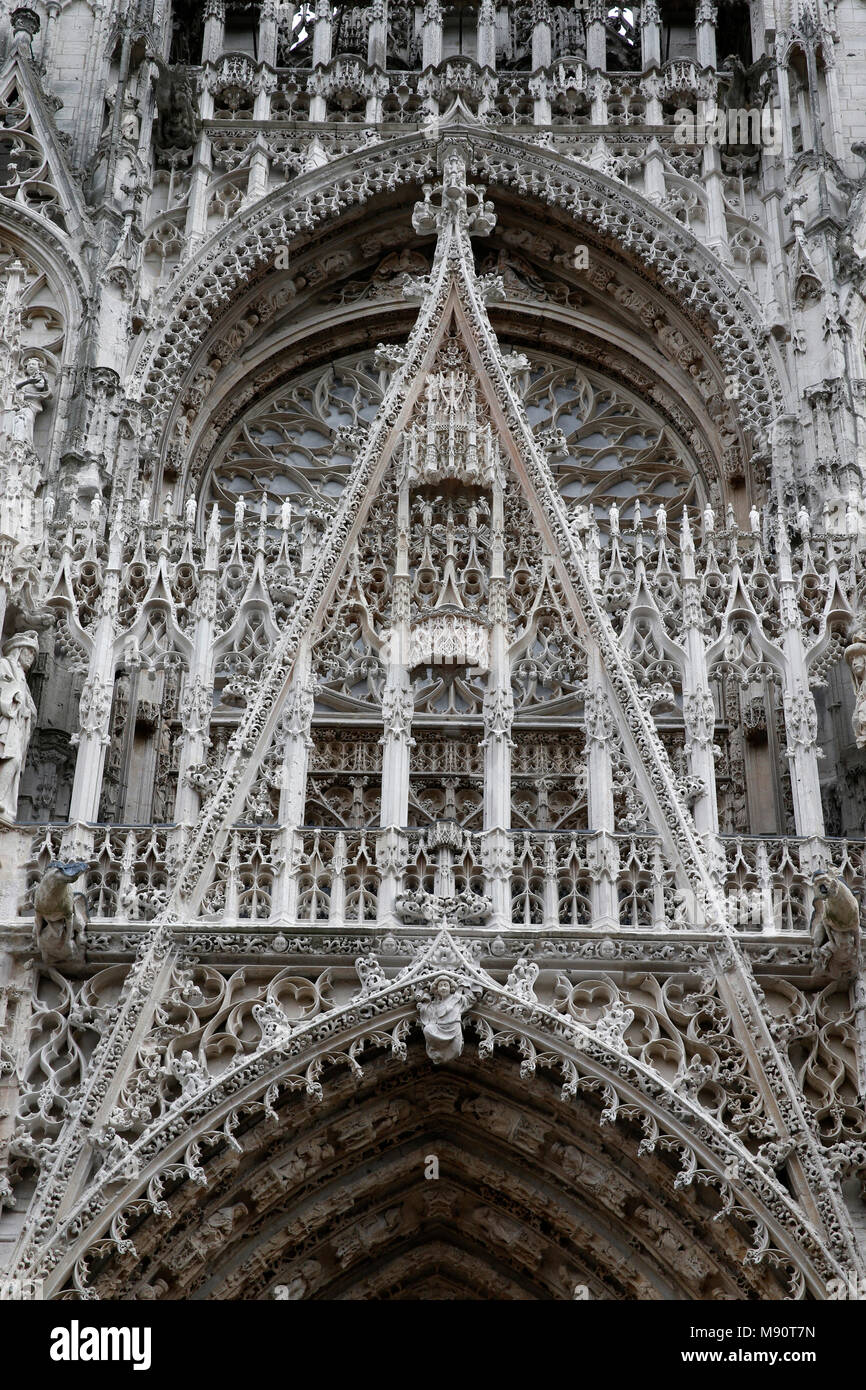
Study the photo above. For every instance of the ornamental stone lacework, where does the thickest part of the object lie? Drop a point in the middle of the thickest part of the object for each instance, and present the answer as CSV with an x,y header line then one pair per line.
x,y
432,651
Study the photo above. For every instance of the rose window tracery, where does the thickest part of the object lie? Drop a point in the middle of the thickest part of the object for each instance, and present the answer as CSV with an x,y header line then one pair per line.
x,y
448,504
299,444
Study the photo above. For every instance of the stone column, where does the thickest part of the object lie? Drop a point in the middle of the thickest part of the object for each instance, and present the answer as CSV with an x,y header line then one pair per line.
x,y
486,49
598,722
498,717
296,723
654,164
431,34
321,56
95,705
542,37
267,48
202,169
705,28
596,35
650,34
706,15
214,30
257,185
397,712
801,719
698,709
49,36
541,58
377,34
198,696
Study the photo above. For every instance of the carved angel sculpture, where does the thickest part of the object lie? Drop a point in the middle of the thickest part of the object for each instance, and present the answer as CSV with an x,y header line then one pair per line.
x,y
441,1011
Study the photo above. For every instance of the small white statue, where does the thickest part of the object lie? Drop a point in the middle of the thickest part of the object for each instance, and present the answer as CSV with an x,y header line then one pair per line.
x,y
661,522
709,521
31,393
17,712
755,521
804,524
240,509
129,125
190,513
143,510
441,1013
614,519
286,515
855,655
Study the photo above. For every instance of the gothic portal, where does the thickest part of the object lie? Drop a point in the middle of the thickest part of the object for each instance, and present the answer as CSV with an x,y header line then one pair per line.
x,y
432,674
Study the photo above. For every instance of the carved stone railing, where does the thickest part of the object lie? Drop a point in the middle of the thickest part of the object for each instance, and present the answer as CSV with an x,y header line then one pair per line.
x,y
337,875
572,93
768,878
130,867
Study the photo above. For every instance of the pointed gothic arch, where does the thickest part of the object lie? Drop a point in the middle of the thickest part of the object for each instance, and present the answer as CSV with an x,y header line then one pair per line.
x,y
237,260
563,1159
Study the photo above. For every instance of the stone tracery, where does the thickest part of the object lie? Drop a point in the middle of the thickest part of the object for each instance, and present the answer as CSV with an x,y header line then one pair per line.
x,y
370,619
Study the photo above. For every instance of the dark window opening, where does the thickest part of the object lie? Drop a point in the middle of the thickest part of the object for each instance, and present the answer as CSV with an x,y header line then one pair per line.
x,y
733,34
187,32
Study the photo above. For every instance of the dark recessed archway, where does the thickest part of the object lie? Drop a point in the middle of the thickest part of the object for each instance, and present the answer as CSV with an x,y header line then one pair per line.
x,y
418,1182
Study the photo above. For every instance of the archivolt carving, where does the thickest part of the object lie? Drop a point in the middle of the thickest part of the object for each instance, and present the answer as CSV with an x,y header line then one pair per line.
x,y
225,1056
602,203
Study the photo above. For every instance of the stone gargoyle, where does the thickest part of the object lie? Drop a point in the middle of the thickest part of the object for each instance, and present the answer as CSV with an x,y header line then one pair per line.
x,y
177,123
60,914
835,925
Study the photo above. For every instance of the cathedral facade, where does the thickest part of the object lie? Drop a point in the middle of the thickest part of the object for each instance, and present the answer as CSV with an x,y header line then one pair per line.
x,y
433,675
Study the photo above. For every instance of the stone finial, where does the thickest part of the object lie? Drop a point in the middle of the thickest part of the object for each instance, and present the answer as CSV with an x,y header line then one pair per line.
x,y
25,26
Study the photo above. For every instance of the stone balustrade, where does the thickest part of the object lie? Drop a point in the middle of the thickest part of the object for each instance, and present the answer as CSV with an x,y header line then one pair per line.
x,y
336,875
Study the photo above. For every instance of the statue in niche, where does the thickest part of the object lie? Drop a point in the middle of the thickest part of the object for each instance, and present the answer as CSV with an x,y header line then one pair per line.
x,y
855,655
30,396
17,712
441,1009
